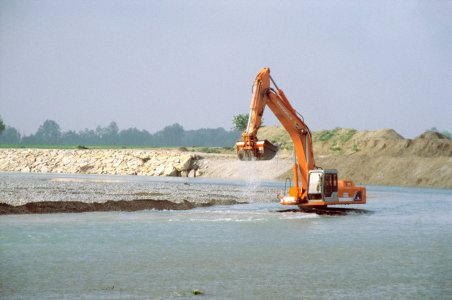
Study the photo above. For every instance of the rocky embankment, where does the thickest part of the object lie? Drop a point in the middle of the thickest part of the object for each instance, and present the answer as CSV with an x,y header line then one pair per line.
x,y
115,162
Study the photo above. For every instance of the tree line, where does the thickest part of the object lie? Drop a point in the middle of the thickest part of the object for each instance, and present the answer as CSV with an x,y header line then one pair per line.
x,y
50,133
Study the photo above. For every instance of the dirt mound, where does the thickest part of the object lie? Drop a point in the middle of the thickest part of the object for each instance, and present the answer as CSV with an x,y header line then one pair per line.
x,y
387,142
387,134
276,135
376,157
399,171
432,135
431,144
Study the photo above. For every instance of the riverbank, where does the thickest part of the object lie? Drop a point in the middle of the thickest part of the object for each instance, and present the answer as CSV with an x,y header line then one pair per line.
x,y
381,157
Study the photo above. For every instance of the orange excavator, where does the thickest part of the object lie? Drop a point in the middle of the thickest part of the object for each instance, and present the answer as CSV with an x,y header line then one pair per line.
x,y
319,187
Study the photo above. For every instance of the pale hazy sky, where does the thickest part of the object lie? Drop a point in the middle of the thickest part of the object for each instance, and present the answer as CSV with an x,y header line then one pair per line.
x,y
148,64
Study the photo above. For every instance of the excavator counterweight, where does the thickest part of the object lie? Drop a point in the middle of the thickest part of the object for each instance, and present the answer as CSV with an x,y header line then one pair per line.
x,y
313,186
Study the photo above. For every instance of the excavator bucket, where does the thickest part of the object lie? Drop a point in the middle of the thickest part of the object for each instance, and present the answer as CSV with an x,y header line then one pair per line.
x,y
262,150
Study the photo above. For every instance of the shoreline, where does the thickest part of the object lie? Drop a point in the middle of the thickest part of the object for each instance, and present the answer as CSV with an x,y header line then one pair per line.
x,y
425,162
77,193
364,167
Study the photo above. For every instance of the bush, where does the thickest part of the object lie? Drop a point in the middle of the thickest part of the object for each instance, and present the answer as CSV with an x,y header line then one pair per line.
x,y
335,148
327,134
210,150
348,135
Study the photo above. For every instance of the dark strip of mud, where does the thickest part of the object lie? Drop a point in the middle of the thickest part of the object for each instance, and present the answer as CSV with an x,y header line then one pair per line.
x,y
47,207
329,211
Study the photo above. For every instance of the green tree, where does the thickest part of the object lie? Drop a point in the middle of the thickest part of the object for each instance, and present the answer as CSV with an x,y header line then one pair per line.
x,y
48,133
134,136
88,137
2,125
69,138
108,135
10,136
171,135
113,133
240,122
444,132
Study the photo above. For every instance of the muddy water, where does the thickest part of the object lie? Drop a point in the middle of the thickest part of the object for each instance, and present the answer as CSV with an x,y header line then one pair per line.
x,y
400,248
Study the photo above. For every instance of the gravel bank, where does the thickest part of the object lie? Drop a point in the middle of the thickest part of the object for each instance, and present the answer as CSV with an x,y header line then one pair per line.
x,y
49,193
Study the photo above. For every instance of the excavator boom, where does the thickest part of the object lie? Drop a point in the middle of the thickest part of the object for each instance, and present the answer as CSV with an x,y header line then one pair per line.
x,y
317,187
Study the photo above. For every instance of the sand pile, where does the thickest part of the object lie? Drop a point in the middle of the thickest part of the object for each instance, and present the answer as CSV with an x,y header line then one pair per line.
x,y
384,157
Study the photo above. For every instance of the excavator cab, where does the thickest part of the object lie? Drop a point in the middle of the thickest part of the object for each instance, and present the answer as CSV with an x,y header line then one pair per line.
x,y
323,186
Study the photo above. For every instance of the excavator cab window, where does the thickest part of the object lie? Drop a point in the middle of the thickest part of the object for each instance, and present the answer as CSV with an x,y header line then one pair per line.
x,y
330,184
315,188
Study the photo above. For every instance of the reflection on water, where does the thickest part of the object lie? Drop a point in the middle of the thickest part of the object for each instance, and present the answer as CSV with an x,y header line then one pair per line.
x,y
253,251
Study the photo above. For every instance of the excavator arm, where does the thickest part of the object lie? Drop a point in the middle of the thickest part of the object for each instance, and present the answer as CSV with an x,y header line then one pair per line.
x,y
299,132
304,164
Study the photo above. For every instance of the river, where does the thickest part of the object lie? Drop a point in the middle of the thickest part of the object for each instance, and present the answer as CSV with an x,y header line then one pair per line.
x,y
400,247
